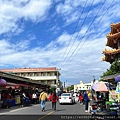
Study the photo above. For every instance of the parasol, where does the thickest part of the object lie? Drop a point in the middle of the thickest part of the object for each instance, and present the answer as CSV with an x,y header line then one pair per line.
x,y
2,82
100,86
117,79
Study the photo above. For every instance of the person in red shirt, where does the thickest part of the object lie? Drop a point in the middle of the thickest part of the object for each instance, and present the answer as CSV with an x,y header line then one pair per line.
x,y
53,98
80,98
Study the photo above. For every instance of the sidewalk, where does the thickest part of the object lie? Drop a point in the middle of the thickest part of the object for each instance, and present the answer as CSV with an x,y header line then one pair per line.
x,y
4,110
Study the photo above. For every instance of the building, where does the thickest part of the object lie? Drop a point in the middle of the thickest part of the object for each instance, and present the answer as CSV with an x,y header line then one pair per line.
x,y
48,76
83,86
113,41
13,81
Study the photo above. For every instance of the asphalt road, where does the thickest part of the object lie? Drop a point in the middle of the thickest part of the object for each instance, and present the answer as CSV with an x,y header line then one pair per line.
x,y
34,112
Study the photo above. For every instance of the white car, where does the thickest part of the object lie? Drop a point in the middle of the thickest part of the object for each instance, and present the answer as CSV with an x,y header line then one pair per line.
x,y
66,98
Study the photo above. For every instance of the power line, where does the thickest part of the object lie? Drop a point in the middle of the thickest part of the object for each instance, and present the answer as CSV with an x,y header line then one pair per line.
x,y
88,29
80,28
63,57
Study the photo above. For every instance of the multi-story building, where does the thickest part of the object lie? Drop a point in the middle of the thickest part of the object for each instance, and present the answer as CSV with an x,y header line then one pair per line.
x,y
113,41
83,86
48,76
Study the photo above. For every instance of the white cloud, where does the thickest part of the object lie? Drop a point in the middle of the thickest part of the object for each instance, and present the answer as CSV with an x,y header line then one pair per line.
x,y
10,13
86,61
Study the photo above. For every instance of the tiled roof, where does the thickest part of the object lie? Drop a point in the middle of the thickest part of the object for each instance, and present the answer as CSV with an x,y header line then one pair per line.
x,y
28,69
113,35
117,24
112,51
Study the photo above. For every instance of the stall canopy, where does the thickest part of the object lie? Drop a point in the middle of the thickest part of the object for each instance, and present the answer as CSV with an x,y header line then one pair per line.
x,y
2,81
11,85
101,87
117,79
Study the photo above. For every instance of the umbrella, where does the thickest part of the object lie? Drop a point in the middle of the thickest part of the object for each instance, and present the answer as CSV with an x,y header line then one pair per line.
x,y
2,82
100,86
117,79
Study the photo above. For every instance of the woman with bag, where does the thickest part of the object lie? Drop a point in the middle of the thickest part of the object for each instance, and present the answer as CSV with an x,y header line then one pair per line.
x,y
53,98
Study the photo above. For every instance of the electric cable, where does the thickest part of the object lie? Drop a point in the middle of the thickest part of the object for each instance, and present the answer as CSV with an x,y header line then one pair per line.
x,y
88,30
63,57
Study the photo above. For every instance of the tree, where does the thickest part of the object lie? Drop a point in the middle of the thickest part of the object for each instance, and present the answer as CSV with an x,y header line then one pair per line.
x,y
114,68
70,87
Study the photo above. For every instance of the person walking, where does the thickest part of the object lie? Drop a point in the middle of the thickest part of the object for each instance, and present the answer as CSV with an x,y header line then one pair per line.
x,y
42,98
34,98
22,99
53,98
80,98
86,100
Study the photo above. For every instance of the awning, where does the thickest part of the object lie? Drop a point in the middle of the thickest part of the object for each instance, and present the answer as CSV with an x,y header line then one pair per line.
x,y
23,85
110,77
11,85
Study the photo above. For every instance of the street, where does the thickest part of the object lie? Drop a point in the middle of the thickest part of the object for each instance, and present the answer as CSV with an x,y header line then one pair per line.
x,y
34,112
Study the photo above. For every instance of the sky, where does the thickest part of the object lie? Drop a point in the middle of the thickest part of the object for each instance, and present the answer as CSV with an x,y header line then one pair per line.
x,y
67,34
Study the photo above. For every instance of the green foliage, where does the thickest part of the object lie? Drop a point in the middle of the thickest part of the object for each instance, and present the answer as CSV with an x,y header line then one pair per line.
x,y
52,89
70,87
114,68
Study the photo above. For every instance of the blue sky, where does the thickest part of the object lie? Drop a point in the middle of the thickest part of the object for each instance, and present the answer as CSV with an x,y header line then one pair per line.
x,y
67,34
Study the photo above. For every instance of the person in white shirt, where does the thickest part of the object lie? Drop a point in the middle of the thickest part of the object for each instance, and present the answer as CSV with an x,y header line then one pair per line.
x,y
34,98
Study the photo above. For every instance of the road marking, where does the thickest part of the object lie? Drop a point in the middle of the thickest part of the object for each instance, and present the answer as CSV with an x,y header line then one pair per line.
x,y
46,115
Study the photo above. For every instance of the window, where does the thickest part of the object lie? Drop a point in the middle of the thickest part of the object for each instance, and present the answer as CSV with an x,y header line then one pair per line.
x,y
26,74
48,82
52,74
36,74
52,82
42,74
31,74
45,74
48,74
39,74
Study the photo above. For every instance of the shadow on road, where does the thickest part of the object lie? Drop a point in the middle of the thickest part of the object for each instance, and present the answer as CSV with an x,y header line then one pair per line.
x,y
61,110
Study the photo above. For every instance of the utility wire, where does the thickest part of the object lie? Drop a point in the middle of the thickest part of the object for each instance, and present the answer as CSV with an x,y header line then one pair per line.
x,y
88,30
80,29
63,57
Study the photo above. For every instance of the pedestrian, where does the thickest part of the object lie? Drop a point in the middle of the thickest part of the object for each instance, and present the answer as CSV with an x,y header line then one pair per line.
x,y
43,98
86,100
22,99
34,98
53,98
80,97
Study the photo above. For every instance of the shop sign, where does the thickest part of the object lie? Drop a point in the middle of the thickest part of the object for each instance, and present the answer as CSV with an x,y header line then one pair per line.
x,y
118,87
113,96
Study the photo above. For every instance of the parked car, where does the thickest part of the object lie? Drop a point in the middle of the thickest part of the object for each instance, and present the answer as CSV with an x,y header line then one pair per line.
x,y
67,98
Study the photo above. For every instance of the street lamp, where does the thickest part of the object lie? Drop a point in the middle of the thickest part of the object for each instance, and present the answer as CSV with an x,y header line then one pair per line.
x,y
93,79
58,81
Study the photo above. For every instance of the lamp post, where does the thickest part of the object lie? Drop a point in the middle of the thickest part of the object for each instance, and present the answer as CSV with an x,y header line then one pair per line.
x,y
58,81
93,79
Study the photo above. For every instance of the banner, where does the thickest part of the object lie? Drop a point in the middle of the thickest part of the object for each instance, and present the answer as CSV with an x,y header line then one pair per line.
x,y
113,96
118,87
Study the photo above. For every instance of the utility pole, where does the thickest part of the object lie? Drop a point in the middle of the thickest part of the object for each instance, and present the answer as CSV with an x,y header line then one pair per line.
x,y
93,79
64,84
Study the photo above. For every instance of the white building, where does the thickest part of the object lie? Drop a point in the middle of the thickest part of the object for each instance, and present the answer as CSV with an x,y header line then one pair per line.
x,y
48,76
83,86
